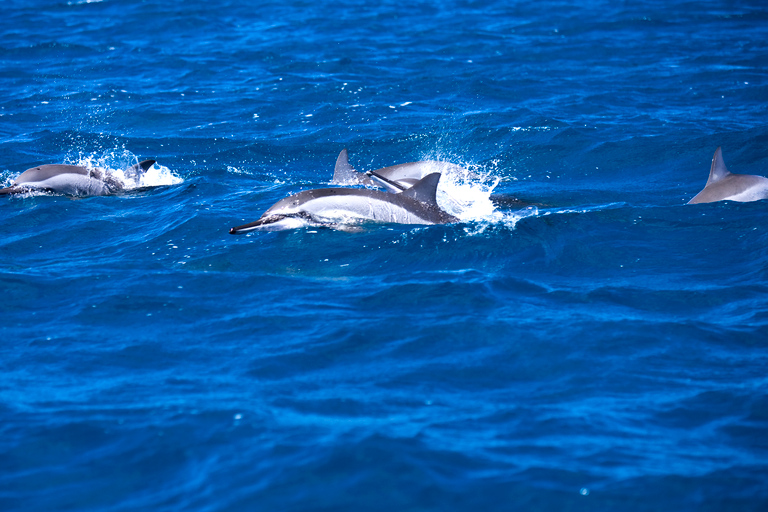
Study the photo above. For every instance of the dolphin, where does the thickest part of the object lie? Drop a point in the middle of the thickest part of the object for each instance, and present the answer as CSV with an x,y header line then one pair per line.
x,y
399,177
723,185
395,178
337,206
72,180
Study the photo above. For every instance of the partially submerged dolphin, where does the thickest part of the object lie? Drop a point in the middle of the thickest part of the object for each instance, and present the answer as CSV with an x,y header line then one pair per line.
x,y
72,180
723,185
395,178
338,206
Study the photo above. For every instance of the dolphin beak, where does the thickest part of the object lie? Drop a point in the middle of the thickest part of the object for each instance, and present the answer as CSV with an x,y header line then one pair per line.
x,y
268,223
274,222
239,230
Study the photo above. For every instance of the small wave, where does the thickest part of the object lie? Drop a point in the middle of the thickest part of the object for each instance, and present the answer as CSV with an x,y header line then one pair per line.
x,y
505,219
586,209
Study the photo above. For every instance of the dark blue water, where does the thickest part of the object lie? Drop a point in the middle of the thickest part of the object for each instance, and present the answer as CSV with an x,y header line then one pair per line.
x,y
607,350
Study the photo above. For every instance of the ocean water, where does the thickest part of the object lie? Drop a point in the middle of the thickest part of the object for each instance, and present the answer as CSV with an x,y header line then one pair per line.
x,y
604,349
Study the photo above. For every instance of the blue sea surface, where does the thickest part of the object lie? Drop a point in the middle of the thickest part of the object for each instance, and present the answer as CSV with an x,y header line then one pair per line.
x,y
604,349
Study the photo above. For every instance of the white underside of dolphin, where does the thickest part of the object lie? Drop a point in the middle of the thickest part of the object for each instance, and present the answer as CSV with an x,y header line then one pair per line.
x,y
723,185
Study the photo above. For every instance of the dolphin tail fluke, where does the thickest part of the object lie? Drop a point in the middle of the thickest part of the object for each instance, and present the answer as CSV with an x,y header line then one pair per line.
x,y
718,171
425,190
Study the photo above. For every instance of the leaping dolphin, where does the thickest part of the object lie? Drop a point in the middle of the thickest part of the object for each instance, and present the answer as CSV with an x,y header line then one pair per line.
x,y
723,185
72,180
337,206
395,178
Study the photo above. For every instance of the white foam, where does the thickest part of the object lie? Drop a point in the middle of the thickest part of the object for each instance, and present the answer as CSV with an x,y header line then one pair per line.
x,y
466,193
159,175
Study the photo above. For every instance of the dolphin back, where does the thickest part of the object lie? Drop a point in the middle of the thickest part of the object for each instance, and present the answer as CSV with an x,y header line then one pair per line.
x,y
723,185
44,172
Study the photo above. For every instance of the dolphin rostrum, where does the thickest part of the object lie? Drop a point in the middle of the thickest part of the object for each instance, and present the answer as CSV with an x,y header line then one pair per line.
x,y
337,206
395,178
723,185
72,180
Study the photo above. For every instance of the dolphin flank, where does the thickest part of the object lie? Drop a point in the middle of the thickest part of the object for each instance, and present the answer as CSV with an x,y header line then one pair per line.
x,y
339,206
71,180
723,185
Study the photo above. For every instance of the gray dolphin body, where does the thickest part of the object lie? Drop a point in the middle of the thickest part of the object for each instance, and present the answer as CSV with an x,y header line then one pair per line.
x,y
723,185
71,180
337,206
395,178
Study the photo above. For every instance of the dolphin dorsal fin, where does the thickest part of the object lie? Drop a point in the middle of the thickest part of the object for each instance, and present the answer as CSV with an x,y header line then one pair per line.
x,y
718,171
424,190
144,166
343,172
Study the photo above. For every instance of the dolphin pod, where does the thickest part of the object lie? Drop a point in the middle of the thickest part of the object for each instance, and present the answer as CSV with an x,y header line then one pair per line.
x,y
411,189
71,180
408,195
723,185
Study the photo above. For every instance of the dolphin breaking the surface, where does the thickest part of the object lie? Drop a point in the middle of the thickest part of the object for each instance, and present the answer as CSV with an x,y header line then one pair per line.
x,y
723,185
395,178
339,206
71,180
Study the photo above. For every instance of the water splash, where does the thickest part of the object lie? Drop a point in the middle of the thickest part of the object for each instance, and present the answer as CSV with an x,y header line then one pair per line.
x,y
159,175
119,164
465,192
